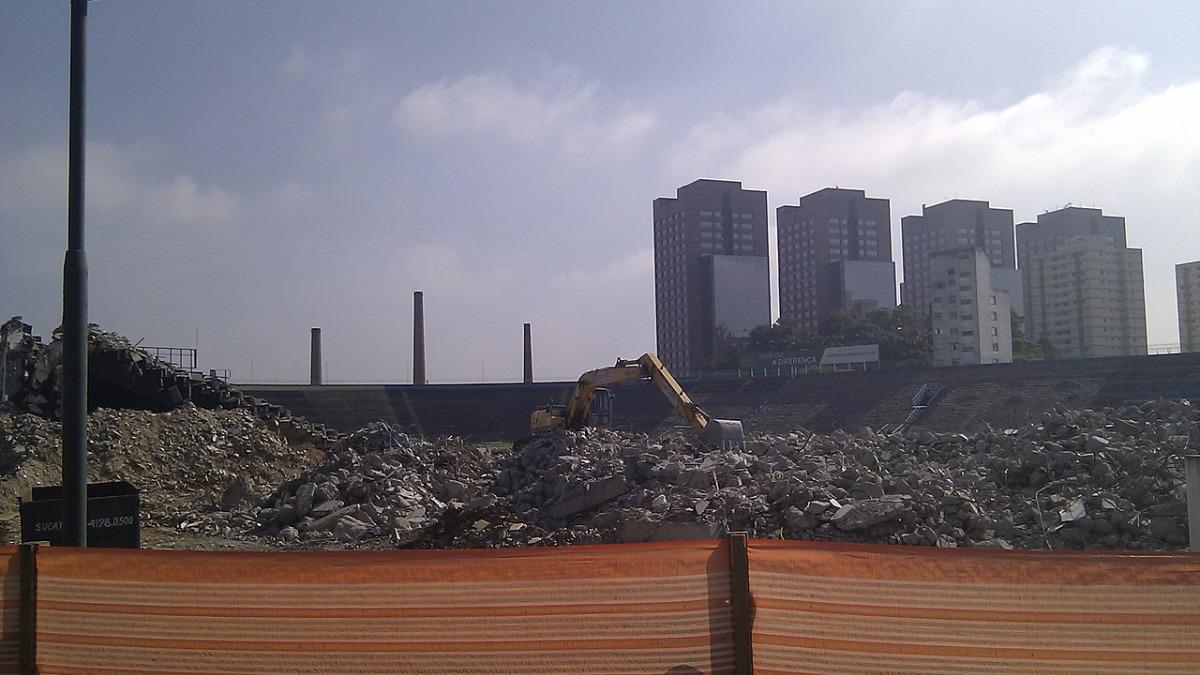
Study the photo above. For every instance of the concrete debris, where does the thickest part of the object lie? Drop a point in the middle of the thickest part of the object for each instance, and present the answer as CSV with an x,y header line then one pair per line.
x,y
19,350
590,495
864,514
1106,479
994,543
1075,511
198,471
379,483
633,531
123,376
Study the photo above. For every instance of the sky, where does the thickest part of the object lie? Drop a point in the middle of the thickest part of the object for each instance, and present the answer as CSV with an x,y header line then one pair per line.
x,y
258,168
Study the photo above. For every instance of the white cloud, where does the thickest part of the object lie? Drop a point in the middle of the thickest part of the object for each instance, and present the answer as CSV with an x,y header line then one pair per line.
x,y
123,184
634,267
476,302
331,89
595,315
1095,135
290,201
559,109
296,63
301,63
159,240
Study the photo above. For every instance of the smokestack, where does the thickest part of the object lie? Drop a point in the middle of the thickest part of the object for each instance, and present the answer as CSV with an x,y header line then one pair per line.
x,y
314,358
418,338
528,356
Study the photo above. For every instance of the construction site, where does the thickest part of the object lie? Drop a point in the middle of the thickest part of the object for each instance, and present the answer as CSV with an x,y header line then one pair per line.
x,y
969,450
1070,455
824,514
829,513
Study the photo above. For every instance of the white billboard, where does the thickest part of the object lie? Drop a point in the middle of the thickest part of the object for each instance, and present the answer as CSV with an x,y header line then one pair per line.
x,y
834,356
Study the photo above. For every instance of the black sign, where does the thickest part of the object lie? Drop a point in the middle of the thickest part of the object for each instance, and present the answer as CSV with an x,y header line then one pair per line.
x,y
114,520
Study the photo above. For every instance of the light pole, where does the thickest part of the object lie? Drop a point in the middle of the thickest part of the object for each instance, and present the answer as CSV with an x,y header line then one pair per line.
x,y
75,315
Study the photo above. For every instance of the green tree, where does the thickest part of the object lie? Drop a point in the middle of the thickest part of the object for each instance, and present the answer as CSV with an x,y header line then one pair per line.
x,y
728,348
904,339
1025,349
1048,350
902,334
783,335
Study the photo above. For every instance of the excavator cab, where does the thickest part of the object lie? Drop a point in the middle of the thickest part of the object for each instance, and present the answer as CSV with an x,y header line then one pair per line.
x,y
547,418
553,416
601,410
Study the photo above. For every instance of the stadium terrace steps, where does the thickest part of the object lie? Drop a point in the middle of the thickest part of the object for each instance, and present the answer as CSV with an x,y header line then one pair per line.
x,y
1000,395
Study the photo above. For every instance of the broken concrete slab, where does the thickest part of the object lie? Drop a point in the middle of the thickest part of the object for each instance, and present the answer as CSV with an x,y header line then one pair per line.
x,y
861,515
633,531
589,495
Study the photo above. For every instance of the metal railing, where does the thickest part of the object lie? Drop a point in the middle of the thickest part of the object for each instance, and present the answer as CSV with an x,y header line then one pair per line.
x,y
184,358
180,357
221,374
1164,348
925,395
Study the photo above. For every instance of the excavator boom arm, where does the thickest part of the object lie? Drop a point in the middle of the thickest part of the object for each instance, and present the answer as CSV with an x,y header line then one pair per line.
x,y
649,366
580,404
684,406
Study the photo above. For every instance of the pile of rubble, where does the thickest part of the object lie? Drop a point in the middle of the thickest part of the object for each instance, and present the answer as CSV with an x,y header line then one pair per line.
x,y
35,370
121,375
188,464
378,481
23,370
1108,479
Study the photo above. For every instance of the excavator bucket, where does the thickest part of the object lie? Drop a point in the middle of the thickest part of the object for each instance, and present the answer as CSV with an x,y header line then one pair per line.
x,y
723,433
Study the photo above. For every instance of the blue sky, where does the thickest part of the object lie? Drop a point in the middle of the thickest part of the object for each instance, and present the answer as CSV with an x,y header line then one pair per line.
x,y
257,168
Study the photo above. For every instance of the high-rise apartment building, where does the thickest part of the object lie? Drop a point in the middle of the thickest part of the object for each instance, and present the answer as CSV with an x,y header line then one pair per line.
x,y
1052,231
1187,293
956,224
1083,287
711,271
969,317
835,252
1087,298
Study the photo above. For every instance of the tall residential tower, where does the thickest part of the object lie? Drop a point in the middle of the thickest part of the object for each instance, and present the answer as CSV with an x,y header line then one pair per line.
x,y
970,318
952,225
835,252
1187,293
1083,287
711,271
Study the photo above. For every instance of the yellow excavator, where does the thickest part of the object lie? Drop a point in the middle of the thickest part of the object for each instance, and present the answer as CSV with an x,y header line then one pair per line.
x,y
591,404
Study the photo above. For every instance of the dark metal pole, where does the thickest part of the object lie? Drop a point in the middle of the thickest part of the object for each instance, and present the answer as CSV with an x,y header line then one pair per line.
x,y
740,604
1191,467
75,315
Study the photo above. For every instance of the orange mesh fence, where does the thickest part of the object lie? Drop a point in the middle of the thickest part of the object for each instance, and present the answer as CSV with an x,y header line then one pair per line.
x,y
826,608
644,608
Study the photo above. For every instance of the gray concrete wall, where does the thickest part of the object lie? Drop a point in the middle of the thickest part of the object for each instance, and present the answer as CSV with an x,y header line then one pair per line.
x,y
999,394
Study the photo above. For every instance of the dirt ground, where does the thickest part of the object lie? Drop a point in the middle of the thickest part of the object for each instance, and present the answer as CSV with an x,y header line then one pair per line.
x,y
184,463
